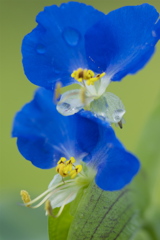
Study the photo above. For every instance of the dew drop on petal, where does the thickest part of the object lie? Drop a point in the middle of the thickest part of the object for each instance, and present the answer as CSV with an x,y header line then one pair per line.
x,y
71,36
118,114
41,49
70,103
108,107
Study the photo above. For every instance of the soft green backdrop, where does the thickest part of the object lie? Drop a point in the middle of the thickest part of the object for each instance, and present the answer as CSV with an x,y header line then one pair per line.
x,y
138,92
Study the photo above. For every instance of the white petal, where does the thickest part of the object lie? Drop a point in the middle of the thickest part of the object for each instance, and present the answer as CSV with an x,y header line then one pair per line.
x,y
56,179
109,107
105,81
71,102
62,197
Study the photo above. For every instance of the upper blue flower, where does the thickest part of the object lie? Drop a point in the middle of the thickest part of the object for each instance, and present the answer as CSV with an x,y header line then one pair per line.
x,y
44,136
75,36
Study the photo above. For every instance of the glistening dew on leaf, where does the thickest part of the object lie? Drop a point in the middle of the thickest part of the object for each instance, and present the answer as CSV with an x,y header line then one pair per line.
x,y
91,49
82,147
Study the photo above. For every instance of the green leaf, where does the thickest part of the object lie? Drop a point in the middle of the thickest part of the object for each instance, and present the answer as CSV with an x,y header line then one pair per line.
x,y
147,181
142,235
104,215
58,227
149,148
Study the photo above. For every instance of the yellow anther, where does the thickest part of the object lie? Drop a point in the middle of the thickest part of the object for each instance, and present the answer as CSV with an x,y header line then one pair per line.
x,y
87,75
83,95
74,172
78,168
25,197
61,169
61,160
57,92
66,167
48,208
78,74
73,75
71,160
102,75
69,164
92,80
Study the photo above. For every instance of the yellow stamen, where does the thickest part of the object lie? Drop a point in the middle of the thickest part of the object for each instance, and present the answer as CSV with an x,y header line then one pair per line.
x,y
48,208
87,75
49,193
65,167
68,168
57,92
92,80
77,170
61,169
83,95
73,174
61,160
71,160
25,197
69,164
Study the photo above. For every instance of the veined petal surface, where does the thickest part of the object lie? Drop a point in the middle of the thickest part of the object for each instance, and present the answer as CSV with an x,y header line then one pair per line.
x,y
44,135
125,40
115,166
56,46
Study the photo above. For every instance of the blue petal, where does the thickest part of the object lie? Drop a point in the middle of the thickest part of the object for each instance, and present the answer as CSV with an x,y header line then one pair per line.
x,y
56,46
44,135
114,165
118,169
124,40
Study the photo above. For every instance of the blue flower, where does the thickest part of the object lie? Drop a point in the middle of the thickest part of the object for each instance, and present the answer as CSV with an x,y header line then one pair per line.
x,y
75,38
75,43
45,137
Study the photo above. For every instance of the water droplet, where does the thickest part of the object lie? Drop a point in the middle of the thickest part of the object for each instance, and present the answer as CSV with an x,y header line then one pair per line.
x,y
71,36
108,107
41,49
118,114
67,109
70,103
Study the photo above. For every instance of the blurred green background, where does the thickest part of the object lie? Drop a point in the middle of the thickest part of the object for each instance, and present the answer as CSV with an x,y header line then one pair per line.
x,y
139,94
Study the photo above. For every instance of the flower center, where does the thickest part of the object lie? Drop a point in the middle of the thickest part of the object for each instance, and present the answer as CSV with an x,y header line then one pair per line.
x,y
66,167
86,75
60,192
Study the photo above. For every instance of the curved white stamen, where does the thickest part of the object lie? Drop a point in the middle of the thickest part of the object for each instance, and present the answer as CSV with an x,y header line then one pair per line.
x,y
49,190
50,194
62,207
45,199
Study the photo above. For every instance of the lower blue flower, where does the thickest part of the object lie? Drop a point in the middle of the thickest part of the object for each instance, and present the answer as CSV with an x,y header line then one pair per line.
x,y
44,136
